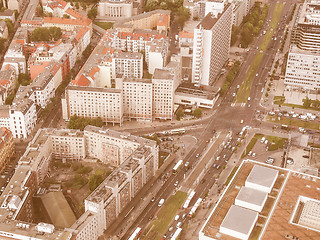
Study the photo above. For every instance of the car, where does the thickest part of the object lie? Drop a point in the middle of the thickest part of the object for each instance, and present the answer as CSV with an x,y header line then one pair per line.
x,y
176,183
224,156
171,235
289,162
184,216
263,139
238,86
257,75
170,229
249,154
249,98
198,155
233,94
218,166
202,181
176,218
186,164
153,199
3,176
253,154
249,105
218,158
241,121
214,165
179,224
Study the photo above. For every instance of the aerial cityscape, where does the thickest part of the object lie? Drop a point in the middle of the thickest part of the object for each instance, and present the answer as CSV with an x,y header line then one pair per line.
x,y
159,119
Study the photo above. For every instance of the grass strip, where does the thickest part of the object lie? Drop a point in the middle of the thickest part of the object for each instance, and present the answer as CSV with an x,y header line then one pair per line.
x,y
245,87
158,226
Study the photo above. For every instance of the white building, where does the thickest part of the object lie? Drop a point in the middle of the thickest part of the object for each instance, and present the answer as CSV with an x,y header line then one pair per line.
x,y
15,57
211,46
115,9
137,99
306,32
163,94
302,72
23,117
156,54
128,64
94,102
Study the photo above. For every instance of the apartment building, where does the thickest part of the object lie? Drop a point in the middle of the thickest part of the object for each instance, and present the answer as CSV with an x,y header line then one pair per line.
x,y
163,94
7,83
6,147
157,19
137,99
211,46
302,72
15,57
102,206
67,144
306,31
113,147
111,10
128,64
94,102
156,54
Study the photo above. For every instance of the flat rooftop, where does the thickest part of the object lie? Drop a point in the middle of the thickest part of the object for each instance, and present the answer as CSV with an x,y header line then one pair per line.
x,y
274,220
239,219
262,176
252,196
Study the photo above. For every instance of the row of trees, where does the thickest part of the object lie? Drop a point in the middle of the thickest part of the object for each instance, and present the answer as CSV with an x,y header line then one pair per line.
x,y
176,7
46,34
252,24
81,122
230,77
307,102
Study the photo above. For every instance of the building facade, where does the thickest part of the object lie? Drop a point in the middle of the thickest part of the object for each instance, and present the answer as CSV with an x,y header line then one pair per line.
x,y
6,147
211,46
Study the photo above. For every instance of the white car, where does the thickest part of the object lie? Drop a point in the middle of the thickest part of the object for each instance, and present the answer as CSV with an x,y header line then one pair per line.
x,y
253,154
176,218
233,94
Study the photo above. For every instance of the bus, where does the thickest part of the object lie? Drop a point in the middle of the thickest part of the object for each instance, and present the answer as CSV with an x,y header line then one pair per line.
x,y
177,166
176,234
195,207
135,234
177,131
186,204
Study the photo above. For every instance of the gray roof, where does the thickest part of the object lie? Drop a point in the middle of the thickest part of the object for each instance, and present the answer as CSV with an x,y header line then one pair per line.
x,y
240,219
252,196
162,74
263,176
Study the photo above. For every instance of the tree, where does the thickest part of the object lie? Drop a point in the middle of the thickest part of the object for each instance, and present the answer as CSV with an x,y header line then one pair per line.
x,y
197,113
84,6
24,79
92,13
179,114
94,181
55,33
16,14
9,25
65,16
77,5
46,34
81,122
2,44
86,53
307,102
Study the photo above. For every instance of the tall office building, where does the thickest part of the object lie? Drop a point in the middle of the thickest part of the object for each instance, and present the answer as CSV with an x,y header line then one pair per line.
x,y
211,46
306,32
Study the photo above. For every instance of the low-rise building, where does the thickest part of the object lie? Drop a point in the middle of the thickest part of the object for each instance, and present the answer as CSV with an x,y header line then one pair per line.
x,y
7,14
6,147
115,10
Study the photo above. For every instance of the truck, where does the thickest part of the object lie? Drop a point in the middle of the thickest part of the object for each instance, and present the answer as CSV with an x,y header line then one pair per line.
x,y
161,202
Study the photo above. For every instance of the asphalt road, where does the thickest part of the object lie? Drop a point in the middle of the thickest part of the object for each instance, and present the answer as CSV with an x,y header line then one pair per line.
x,y
225,117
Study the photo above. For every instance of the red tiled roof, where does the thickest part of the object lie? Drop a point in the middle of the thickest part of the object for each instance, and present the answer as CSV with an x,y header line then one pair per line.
x,y
185,34
67,21
93,71
81,81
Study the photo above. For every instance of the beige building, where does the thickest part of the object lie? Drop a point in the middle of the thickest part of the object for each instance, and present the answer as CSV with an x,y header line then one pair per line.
x,y
115,9
128,64
211,46
159,19
94,102
6,147
137,99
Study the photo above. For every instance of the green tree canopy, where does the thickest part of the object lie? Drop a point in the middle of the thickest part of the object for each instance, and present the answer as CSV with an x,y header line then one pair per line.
x,y
81,122
92,13
197,113
46,34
